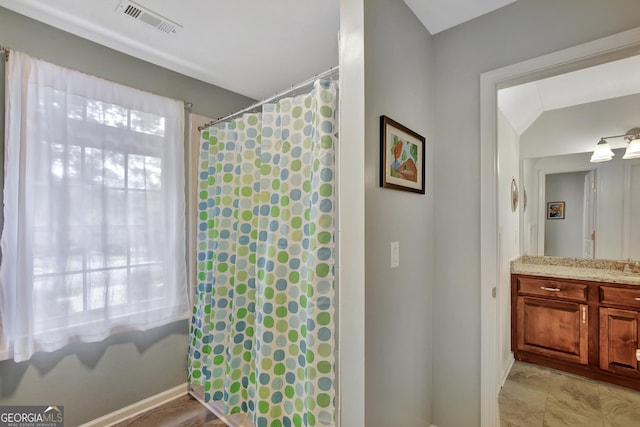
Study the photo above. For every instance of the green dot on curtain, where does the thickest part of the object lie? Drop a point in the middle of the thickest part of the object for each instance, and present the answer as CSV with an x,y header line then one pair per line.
x,y
294,277
310,356
297,236
252,259
324,237
297,419
279,369
324,400
263,407
281,312
283,257
223,267
325,221
311,373
289,391
266,364
324,367
303,304
275,184
294,350
268,321
312,229
322,270
207,309
237,349
276,412
196,374
203,216
326,111
281,298
235,387
306,186
261,274
248,332
275,211
286,147
265,169
311,419
242,313
284,201
206,349
247,191
296,165
282,326
247,356
324,318
270,279
204,195
241,289
253,120
296,112
227,177
264,392
296,222
268,293
326,190
326,141
324,350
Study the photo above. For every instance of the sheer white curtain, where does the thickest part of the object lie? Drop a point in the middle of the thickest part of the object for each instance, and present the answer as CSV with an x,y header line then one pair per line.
x,y
94,238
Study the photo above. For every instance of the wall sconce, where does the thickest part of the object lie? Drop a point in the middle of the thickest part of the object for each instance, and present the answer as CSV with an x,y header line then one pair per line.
x,y
603,152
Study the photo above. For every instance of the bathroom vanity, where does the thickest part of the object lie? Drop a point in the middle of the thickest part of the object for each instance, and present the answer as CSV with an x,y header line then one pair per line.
x,y
576,315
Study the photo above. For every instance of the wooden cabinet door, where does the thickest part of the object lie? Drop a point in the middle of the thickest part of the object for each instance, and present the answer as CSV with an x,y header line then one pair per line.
x,y
619,339
553,328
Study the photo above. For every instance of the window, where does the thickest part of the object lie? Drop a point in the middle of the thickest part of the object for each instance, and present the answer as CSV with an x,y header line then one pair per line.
x,y
93,239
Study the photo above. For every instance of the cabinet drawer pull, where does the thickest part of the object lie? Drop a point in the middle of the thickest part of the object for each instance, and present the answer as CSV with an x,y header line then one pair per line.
x,y
584,314
637,299
550,289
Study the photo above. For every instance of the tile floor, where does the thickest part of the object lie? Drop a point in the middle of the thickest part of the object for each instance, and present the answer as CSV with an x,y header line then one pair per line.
x,y
534,396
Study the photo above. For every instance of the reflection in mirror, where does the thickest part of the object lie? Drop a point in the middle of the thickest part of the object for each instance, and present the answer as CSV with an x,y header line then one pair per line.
x,y
555,124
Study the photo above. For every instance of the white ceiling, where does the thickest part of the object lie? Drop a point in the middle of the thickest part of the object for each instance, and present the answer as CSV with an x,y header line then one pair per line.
x,y
252,47
438,15
523,104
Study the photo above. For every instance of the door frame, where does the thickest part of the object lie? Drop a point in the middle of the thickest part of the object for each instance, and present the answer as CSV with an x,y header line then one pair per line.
x,y
603,50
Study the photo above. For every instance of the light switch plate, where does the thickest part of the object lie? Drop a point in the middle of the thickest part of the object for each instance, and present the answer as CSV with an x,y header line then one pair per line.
x,y
395,254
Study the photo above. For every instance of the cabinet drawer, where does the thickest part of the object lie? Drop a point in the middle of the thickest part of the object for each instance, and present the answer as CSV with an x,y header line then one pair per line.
x,y
627,297
553,289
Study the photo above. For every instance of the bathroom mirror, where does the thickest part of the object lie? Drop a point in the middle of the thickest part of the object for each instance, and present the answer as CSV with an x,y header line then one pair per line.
x,y
555,124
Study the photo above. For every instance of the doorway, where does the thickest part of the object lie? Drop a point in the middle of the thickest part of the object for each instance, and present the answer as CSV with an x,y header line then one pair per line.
x,y
597,52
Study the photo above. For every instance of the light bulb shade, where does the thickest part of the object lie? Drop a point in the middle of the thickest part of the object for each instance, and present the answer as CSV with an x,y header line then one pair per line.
x,y
633,150
602,153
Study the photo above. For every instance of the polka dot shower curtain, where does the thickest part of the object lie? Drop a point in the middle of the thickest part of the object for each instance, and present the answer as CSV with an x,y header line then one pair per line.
x,y
262,331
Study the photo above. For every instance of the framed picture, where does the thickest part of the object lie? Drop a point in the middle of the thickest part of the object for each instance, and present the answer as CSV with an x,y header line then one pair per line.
x,y
402,157
555,210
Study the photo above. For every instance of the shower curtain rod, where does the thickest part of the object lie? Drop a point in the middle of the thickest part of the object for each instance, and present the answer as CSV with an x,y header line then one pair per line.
x,y
328,73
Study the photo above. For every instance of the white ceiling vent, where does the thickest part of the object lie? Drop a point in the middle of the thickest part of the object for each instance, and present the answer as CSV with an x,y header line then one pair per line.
x,y
148,16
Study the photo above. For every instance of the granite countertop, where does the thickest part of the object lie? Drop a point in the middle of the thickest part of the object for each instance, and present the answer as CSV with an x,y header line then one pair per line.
x,y
627,272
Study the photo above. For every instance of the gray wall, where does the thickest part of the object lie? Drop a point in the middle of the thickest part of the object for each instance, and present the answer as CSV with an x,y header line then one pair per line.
x,y
563,237
519,31
91,380
398,302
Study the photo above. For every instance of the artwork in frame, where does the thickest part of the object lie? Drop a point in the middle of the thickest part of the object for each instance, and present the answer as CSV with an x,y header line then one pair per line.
x,y
555,210
402,157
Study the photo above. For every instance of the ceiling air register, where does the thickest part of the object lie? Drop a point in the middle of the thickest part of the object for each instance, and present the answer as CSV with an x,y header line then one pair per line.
x,y
141,13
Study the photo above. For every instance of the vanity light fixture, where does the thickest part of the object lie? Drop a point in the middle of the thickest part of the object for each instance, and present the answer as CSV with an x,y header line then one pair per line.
x,y
603,152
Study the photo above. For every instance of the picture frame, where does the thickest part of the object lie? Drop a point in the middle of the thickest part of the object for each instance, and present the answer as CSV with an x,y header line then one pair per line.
x,y
555,210
402,157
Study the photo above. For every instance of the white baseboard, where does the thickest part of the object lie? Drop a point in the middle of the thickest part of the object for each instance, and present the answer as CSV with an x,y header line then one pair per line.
x,y
139,407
